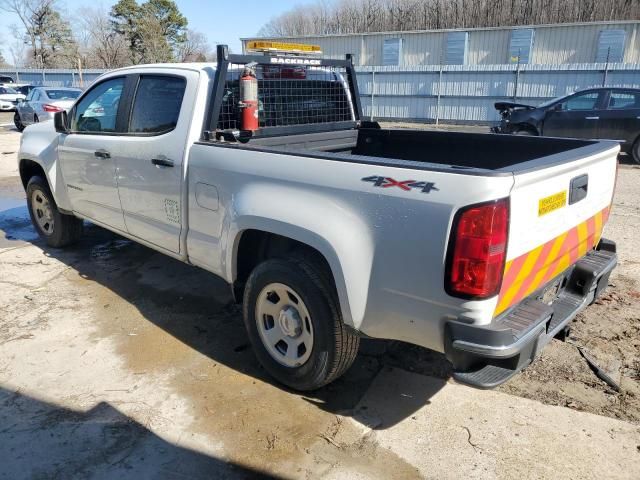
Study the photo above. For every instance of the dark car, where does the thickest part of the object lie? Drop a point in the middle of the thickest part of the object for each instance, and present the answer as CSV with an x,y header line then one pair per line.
x,y
608,113
25,89
6,79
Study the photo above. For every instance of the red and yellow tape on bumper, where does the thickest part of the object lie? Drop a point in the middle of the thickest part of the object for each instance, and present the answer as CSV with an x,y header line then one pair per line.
x,y
527,273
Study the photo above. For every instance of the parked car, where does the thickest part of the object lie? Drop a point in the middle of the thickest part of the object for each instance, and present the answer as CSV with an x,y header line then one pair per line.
x,y
24,89
9,98
5,79
328,227
42,103
604,113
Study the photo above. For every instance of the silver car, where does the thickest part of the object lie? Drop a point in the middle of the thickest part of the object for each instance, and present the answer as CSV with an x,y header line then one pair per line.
x,y
42,103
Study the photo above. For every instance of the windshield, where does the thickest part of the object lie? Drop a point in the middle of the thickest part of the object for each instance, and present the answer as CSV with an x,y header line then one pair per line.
x,y
550,102
63,94
8,90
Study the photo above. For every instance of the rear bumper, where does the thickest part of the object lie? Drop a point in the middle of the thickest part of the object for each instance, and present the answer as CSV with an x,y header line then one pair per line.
x,y
486,356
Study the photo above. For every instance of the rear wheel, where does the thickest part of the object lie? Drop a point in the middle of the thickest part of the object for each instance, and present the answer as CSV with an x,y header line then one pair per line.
x,y
293,319
56,228
18,122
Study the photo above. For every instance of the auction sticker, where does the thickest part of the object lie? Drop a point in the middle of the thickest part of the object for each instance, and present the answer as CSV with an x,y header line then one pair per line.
x,y
552,202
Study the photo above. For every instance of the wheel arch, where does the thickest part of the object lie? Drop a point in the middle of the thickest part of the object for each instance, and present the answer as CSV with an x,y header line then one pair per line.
x,y
28,167
261,238
526,126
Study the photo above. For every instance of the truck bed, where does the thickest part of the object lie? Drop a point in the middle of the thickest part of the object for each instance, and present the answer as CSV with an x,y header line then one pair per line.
x,y
434,150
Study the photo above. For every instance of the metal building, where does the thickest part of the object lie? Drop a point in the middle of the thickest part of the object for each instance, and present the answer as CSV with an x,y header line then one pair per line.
x,y
595,42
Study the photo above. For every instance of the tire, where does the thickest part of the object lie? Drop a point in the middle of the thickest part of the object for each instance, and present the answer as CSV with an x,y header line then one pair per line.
x,y
333,346
18,122
54,227
524,132
635,151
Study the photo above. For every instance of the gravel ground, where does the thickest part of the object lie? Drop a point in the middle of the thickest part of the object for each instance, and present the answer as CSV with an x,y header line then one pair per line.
x,y
6,118
117,361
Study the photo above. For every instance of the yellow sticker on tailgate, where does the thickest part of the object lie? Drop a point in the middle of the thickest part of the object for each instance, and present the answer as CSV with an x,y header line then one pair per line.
x,y
552,202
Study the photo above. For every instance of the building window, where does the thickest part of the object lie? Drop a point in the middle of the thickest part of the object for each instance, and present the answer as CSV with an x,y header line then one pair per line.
x,y
457,43
392,51
610,46
520,45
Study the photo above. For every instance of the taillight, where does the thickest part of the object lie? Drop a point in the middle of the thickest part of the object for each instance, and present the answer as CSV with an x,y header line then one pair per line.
x,y
51,108
477,250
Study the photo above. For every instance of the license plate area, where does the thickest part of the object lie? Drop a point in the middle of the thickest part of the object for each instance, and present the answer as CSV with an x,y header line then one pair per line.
x,y
551,291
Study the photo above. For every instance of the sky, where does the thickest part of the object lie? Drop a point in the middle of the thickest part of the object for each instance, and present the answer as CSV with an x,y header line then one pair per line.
x,y
217,19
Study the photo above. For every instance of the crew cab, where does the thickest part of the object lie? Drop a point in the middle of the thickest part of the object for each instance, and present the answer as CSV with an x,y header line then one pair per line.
x,y
329,228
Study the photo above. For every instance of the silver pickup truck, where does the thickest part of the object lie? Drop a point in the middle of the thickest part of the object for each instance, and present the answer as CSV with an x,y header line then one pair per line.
x,y
261,170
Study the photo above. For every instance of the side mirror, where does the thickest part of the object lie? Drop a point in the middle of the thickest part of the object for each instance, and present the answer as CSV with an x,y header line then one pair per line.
x,y
556,108
60,122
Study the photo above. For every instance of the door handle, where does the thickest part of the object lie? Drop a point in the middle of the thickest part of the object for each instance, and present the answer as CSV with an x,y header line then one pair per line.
x,y
162,162
592,118
578,189
102,153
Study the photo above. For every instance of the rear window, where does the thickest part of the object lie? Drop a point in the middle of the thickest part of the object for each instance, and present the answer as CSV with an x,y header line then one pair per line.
x,y
290,96
62,94
157,103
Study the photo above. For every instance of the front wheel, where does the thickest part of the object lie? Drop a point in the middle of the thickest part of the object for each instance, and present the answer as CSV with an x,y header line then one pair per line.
x,y
294,323
53,226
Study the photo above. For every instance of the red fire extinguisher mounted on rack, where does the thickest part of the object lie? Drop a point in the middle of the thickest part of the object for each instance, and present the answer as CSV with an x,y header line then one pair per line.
x,y
249,100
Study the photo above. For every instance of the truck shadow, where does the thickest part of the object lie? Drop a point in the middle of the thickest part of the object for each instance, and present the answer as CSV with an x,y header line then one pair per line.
x,y
196,307
42,440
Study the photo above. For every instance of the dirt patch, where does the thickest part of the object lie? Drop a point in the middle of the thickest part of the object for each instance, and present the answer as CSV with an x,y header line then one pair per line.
x,y
608,331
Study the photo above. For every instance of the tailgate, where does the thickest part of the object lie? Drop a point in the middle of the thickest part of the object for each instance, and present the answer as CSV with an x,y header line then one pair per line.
x,y
557,216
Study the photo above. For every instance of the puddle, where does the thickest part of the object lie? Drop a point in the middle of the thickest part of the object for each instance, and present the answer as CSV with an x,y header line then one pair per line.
x,y
15,224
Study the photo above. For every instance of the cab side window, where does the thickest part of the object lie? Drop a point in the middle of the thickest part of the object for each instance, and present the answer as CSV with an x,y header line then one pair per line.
x,y
97,111
157,104
586,101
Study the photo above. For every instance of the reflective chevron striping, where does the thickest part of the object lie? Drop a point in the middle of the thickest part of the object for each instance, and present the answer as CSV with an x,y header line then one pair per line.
x,y
525,274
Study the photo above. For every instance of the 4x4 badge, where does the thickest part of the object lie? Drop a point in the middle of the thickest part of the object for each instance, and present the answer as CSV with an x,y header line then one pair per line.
x,y
407,185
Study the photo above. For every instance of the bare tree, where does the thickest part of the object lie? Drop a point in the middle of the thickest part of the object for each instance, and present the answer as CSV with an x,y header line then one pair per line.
x,y
47,35
195,48
17,49
361,16
3,62
27,12
102,47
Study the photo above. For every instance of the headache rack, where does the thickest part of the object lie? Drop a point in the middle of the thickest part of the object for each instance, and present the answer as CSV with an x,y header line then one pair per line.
x,y
295,95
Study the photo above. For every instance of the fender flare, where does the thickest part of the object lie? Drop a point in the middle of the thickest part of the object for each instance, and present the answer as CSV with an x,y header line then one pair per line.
x,y
346,242
54,178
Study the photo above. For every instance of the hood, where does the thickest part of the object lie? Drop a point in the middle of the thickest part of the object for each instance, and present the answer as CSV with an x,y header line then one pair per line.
x,y
503,106
11,97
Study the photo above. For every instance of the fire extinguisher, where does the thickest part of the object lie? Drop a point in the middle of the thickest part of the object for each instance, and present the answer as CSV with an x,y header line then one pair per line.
x,y
248,100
